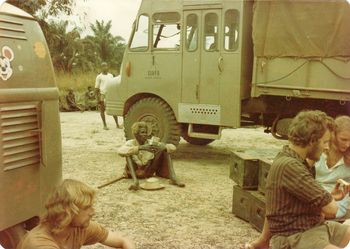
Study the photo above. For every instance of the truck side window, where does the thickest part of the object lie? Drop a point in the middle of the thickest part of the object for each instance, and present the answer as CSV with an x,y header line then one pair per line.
x,y
191,32
140,37
166,30
211,30
231,30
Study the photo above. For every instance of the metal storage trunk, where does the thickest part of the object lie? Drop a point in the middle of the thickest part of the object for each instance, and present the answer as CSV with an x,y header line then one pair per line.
x,y
257,210
244,170
264,167
241,203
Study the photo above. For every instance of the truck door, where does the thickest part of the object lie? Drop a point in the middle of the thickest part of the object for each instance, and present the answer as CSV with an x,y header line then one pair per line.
x,y
211,73
201,57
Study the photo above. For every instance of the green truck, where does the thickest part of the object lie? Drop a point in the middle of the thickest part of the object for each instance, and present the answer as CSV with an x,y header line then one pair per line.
x,y
30,136
192,68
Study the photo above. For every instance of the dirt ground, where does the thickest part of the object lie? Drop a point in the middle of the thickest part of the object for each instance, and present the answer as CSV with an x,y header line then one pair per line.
x,y
197,216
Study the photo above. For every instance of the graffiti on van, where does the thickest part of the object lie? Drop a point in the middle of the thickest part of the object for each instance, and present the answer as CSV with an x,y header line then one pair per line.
x,y
6,57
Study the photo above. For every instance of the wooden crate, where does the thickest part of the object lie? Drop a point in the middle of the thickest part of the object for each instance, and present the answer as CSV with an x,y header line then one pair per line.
x,y
264,167
244,170
241,203
257,210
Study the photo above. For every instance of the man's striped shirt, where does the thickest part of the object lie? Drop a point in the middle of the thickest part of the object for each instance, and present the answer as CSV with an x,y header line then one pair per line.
x,y
293,197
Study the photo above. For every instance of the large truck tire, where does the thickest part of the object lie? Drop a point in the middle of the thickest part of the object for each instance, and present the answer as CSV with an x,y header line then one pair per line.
x,y
10,237
195,140
158,115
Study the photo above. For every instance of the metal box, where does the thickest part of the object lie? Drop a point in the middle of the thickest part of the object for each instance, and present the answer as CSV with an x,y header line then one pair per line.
x,y
249,206
241,203
244,170
257,210
264,167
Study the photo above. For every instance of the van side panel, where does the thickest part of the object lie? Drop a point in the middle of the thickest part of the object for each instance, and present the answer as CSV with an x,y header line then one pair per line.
x,y
30,62
30,136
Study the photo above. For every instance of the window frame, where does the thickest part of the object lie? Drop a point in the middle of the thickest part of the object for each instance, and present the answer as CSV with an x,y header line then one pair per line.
x,y
217,33
236,47
136,24
198,33
162,22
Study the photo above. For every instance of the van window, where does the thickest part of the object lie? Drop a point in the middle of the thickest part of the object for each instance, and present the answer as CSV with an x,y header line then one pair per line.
x,y
191,32
166,36
140,37
211,30
231,30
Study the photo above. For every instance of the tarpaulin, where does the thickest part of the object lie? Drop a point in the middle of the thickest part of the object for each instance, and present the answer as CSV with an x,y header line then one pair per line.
x,y
300,28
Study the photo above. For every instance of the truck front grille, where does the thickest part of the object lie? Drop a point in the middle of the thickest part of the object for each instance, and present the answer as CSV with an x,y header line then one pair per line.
x,y
20,135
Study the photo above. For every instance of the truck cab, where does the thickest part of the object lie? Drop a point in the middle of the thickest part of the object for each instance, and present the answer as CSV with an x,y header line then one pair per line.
x,y
30,137
192,68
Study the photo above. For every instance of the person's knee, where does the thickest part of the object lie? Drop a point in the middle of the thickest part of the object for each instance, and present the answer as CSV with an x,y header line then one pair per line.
x,y
346,238
347,234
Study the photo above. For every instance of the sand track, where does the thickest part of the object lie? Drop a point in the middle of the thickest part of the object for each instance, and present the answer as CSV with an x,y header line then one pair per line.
x,y
198,216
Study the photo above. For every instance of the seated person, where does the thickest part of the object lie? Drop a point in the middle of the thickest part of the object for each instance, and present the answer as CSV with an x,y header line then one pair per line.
x,y
90,99
66,223
148,156
72,105
296,204
331,166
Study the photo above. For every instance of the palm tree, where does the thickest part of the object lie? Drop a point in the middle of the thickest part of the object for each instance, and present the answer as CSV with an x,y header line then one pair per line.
x,y
108,47
67,48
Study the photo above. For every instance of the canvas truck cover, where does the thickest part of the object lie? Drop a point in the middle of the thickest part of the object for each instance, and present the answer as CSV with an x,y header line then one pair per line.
x,y
301,28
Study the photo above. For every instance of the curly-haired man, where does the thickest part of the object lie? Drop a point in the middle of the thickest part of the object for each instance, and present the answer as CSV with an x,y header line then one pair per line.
x,y
297,205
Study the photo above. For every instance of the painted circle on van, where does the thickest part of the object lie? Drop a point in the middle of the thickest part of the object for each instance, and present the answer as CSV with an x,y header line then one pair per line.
x,y
40,50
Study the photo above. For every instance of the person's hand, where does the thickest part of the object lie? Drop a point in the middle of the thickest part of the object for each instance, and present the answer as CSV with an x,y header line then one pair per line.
x,y
341,189
162,146
146,147
150,147
98,96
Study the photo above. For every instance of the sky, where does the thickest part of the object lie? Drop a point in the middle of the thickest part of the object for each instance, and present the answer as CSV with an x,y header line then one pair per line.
x,y
121,12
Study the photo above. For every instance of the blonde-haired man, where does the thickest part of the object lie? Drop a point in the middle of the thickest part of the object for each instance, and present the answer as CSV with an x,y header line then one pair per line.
x,y
66,223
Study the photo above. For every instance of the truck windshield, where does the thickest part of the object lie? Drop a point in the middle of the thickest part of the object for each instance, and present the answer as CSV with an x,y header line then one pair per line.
x,y
139,39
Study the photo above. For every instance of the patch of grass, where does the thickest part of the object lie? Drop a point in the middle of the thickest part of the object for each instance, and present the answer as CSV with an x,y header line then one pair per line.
x,y
77,81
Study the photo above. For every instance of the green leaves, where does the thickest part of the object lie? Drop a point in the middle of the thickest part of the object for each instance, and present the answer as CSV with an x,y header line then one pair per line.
x,y
69,51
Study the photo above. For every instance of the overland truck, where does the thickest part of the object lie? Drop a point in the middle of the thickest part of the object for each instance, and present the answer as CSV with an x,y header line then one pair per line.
x,y
30,137
194,67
